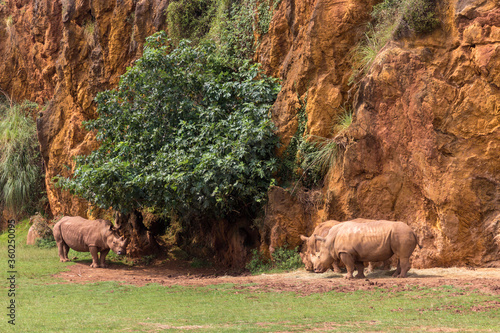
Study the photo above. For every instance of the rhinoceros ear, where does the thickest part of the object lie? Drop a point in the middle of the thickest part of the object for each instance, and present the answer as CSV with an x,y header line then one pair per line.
x,y
319,238
304,238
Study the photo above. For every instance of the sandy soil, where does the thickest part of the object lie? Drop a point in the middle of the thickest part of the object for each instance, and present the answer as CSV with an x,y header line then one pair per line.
x,y
486,280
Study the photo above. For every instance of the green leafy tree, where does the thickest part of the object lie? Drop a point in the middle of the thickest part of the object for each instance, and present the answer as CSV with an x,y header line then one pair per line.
x,y
183,132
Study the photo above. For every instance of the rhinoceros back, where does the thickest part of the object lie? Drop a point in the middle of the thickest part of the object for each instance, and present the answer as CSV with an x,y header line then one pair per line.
x,y
79,233
374,240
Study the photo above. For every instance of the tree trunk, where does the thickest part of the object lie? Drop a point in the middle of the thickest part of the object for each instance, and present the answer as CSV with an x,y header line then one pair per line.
x,y
141,241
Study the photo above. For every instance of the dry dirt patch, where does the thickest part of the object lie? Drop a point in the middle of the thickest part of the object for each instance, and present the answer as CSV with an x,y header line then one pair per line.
x,y
486,280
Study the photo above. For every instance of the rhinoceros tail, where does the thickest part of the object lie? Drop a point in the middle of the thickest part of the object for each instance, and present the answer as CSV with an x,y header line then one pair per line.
x,y
420,245
57,232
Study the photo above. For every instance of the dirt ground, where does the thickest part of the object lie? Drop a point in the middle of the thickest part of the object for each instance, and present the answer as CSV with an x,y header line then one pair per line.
x,y
486,280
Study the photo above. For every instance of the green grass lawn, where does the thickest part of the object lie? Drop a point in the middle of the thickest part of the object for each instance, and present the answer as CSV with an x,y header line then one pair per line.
x,y
46,304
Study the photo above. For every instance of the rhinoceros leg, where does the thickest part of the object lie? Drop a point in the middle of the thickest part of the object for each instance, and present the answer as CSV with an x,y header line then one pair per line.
x,y
335,266
371,267
62,247
104,253
63,250
403,267
95,256
398,269
360,267
349,264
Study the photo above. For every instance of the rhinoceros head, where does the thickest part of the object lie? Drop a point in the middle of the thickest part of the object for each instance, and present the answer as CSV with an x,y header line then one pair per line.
x,y
305,255
322,260
117,244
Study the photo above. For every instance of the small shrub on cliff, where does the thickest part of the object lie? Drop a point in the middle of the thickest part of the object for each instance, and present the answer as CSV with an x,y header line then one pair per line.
x,y
88,32
420,15
232,24
183,133
308,158
318,155
189,18
366,50
392,19
20,171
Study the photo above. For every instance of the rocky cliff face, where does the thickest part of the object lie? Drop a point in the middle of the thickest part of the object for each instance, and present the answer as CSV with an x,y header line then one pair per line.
x,y
424,146
61,54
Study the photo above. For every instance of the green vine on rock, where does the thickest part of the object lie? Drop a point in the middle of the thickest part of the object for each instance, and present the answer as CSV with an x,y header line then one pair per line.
x,y
234,25
289,166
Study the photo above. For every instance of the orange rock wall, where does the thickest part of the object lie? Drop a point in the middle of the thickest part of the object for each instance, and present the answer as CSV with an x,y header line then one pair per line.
x,y
61,54
424,146
429,111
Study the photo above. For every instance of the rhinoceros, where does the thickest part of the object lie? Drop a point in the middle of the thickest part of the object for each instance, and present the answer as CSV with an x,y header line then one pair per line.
x,y
311,246
356,242
92,236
